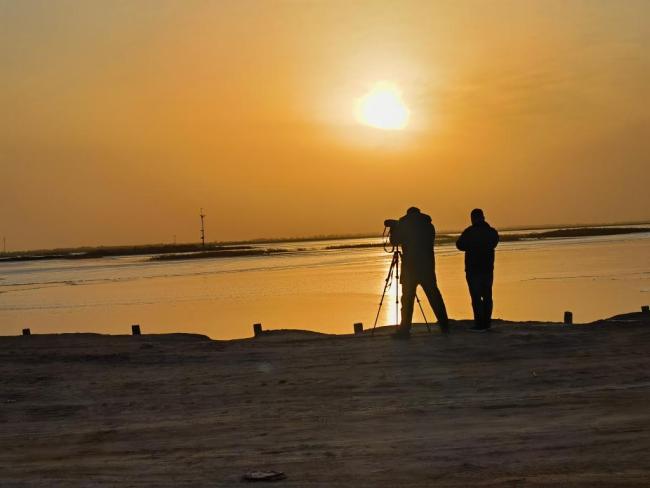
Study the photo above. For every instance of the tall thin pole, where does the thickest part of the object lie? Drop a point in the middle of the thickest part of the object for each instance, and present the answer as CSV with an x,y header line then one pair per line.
x,y
4,245
202,229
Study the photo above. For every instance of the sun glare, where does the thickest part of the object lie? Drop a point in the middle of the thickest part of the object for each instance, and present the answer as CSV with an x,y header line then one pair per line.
x,y
383,108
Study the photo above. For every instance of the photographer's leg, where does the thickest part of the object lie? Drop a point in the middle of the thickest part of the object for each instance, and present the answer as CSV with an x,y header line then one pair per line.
x,y
474,283
408,299
487,299
437,303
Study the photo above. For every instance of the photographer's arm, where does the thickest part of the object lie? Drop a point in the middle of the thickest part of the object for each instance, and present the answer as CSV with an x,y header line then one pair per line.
x,y
462,243
495,238
396,236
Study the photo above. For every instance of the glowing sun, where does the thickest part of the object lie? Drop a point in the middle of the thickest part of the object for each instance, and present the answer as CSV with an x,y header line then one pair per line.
x,y
382,107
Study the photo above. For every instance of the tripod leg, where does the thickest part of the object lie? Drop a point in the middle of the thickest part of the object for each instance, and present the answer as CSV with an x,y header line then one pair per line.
x,y
422,310
387,282
397,283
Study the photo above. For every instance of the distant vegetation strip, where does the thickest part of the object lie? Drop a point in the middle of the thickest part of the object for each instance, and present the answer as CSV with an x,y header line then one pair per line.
x,y
115,251
165,252
551,234
579,232
226,253
441,239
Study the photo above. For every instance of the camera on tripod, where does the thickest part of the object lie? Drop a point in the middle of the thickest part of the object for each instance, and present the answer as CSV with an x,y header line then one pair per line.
x,y
393,231
391,223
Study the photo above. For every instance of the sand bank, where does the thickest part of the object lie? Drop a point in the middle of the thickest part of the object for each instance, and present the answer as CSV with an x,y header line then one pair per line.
x,y
525,405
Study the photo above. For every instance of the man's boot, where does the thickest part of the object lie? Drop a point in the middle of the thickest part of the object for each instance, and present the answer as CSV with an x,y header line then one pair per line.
x,y
401,332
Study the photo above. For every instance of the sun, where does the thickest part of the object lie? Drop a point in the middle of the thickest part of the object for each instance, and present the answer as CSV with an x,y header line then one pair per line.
x,y
382,107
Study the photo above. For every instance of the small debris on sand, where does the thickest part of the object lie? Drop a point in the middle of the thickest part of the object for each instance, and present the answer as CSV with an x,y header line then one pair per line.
x,y
264,476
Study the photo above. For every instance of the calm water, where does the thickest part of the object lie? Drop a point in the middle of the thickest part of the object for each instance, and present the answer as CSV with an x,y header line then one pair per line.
x,y
323,290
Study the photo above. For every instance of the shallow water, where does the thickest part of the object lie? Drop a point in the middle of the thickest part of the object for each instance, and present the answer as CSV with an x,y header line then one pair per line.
x,y
319,289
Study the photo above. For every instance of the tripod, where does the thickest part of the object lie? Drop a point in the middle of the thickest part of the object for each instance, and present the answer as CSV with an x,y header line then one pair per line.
x,y
394,271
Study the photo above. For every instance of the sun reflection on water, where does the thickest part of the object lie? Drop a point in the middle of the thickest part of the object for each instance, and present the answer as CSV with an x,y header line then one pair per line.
x,y
390,307
393,307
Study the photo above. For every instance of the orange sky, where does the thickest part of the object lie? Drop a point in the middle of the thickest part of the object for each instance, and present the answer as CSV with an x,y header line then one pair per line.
x,y
121,119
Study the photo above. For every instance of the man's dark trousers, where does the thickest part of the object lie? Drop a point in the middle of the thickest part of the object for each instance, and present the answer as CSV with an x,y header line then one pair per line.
x,y
410,282
480,289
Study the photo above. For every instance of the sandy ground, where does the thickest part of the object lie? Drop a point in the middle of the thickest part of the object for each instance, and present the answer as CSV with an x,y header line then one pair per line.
x,y
525,405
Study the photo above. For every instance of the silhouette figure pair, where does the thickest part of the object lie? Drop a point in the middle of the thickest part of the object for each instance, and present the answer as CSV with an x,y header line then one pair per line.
x,y
416,234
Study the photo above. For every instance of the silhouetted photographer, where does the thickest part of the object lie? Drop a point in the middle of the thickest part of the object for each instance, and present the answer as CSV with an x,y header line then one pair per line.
x,y
415,233
479,241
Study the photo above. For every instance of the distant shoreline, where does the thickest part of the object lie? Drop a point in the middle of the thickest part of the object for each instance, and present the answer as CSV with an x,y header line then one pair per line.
x,y
172,252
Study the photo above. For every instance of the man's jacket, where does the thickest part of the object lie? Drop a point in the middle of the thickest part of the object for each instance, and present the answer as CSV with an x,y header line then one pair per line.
x,y
478,241
415,233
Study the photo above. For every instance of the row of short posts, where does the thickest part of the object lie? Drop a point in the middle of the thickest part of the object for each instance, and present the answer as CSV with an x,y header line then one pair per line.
x,y
568,316
135,330
358,326
257,329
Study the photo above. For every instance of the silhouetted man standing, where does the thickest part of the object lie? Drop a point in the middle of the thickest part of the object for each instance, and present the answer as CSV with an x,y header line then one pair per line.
x,y
479,241
416,235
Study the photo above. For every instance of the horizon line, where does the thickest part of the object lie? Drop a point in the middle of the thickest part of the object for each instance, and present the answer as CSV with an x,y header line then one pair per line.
x,y
320,237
